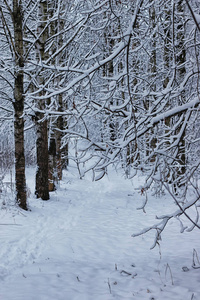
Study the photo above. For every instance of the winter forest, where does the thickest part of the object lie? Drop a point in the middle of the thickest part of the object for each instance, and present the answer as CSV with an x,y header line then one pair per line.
x,y
102,84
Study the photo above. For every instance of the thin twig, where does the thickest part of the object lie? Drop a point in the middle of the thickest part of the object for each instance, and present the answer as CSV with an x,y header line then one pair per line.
x,y
109,286
168,268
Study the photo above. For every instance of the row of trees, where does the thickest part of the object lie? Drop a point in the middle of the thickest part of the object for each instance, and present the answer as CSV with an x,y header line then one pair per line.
x,y
121,76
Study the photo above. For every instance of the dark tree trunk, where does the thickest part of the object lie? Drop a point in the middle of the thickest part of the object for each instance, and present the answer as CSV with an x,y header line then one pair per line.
x,y
20,178
181,59
42,181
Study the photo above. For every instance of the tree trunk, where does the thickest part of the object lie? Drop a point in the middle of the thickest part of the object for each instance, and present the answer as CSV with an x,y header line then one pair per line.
x,y
59,134
18,104
151,136
42,183
56,162
181,59
52,162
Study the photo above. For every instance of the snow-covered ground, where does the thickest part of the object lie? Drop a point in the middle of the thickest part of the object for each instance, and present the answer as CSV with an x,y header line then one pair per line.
x,y
78,245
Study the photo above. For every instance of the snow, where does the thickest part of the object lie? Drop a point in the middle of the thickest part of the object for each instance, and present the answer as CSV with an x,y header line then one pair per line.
x,y
78,245
197,17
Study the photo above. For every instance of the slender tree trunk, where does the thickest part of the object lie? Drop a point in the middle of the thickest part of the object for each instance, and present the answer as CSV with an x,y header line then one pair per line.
x,y
20,178
151,136
167,63
62,153
51,125
181,59
42,182
108,71
52,162
56,161
59,135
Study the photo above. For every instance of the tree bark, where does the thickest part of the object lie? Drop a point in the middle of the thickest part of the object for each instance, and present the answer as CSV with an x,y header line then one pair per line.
x,y
181,59
42,182
52,165
151,136
59,151
18,104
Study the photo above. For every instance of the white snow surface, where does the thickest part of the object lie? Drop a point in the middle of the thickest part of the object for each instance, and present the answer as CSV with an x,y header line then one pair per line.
x,y
78,245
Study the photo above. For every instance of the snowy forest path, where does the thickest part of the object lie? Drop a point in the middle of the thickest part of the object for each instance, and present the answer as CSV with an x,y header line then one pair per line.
x,y
78,245
22,244
52,231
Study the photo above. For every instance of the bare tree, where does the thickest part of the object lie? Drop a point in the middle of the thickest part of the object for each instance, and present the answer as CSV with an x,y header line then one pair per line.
x,y
12,14
42,182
